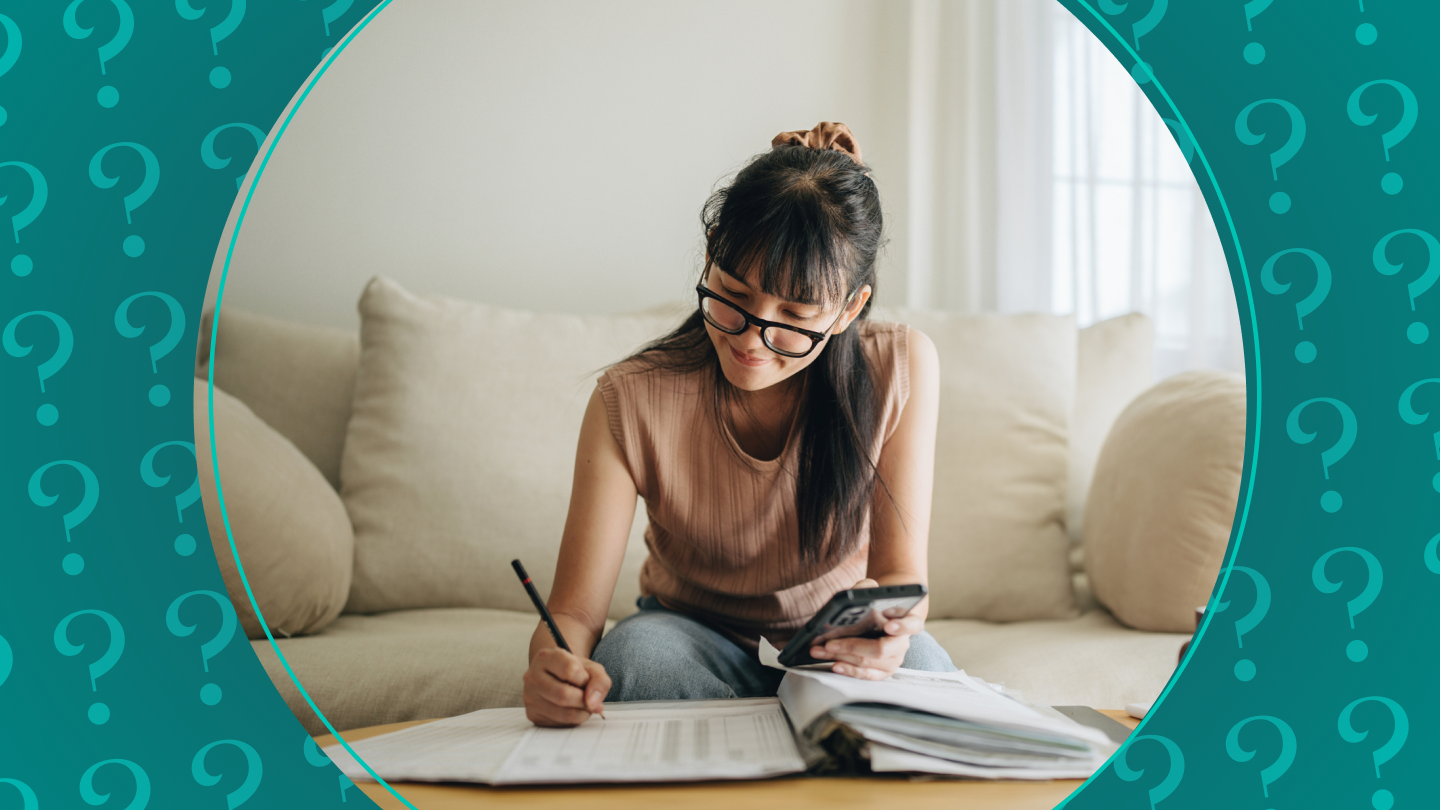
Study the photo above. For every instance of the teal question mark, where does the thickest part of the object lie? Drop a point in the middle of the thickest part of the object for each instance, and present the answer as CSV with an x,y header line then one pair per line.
x,y
1187,146
316,757
1407,412
1304,350
209,693
147,473
108,95
1391,182
1365,33
247,788
46,414
12,53
7,660
1416,332
133,244
214,161
220,76
1432,560
332,12
73,563
1254,52
1382,799
22,264
1245,668
1355,650
1277,769
142,785
99,712
1330,501
27,796
159,394
1279,201
1141,70
1172,777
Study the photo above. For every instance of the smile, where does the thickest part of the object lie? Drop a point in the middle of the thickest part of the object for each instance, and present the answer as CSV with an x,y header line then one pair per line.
x,y
752,362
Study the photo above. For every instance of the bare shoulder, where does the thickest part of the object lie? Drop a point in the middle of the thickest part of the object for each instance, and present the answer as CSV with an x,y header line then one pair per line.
x,y
924,359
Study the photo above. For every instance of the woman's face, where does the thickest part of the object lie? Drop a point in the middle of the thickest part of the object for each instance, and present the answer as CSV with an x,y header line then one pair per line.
x,y
748,363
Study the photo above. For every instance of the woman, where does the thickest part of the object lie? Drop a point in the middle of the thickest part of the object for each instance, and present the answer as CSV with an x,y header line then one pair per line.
x,y
784,446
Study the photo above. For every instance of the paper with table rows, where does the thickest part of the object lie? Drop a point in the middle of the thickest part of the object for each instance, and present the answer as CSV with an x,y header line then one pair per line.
x,y
643,741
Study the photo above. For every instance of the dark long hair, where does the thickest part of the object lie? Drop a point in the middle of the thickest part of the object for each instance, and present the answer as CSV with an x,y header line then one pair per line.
x,y
809,220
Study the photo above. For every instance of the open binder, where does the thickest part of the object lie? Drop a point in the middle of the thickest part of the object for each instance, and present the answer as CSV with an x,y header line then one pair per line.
x,y
923,722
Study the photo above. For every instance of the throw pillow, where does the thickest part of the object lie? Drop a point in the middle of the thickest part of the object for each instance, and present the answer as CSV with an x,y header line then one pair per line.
x,y
460,450
298,378
1113,367
1163,498
290,528
998,549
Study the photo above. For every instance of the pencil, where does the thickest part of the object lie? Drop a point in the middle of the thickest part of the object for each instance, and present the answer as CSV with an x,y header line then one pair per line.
x,y
544,612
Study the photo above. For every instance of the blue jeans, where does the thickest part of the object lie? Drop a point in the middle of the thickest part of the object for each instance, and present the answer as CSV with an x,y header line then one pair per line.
x,y
659,654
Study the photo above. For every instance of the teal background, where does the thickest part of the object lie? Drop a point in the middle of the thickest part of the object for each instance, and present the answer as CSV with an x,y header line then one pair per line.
x,y
1303,680
106,421
1363,358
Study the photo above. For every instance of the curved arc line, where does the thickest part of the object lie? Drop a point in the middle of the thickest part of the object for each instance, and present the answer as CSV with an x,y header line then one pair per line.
x,y
1244,512
210,395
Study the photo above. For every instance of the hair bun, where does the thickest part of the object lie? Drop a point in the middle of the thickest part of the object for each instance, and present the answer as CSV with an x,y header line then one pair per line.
x,y
825,135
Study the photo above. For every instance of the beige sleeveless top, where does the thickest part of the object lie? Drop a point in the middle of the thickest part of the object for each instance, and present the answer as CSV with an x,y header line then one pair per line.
x,y
723,534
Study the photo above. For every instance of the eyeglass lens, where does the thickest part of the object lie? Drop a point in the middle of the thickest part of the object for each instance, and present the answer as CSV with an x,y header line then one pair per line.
x,y
730,319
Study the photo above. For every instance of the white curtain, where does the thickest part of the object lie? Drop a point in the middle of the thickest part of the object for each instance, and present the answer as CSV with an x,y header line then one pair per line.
x,y
1041,179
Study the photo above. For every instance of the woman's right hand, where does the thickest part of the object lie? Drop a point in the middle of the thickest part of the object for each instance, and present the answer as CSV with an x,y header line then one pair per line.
x,y
562,689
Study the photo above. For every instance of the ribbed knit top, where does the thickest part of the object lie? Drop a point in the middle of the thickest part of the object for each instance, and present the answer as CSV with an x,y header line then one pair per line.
x,y
723,532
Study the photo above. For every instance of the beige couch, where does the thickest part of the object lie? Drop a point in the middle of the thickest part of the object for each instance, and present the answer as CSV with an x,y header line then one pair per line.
x,y
378,484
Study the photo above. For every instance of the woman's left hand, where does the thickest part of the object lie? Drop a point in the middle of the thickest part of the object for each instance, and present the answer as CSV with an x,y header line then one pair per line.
x,y
873,659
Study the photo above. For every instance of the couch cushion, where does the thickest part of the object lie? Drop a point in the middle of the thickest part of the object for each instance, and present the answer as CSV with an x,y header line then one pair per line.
x,y
1114,365
408,665
460,450
420,664
1091,660
296,377
1163,499
998,549
290,529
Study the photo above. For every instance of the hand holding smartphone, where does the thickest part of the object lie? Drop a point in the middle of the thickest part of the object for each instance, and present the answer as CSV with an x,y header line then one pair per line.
x,y
859,612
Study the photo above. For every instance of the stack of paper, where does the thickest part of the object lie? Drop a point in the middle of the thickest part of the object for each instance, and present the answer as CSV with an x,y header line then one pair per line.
x,y
934,722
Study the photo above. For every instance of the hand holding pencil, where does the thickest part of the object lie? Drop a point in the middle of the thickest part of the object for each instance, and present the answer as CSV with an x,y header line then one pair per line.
x,y
561,688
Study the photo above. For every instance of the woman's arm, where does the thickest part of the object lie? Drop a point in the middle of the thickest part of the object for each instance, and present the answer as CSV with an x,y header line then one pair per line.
x,y
563,688
899,530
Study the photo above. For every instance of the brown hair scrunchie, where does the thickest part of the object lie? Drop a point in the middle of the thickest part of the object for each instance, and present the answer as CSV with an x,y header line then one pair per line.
x,y
825,135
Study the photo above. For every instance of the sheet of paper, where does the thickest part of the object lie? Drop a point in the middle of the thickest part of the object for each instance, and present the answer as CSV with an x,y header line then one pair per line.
x,y
433,752
643,741
664,744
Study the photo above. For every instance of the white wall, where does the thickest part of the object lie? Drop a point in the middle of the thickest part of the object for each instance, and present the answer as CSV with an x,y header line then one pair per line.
x,y
554,154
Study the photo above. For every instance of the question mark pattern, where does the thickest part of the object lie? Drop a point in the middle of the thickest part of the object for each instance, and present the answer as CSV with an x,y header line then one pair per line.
x,y
101,615
71,164
1330,347
1381,799
219,75
159,394
1245,668
210,693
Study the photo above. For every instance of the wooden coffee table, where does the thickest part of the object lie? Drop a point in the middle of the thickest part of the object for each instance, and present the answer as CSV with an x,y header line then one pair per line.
x,y
792,791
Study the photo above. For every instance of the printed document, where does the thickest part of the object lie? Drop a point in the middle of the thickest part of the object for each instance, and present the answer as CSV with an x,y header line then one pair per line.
x,y
643,741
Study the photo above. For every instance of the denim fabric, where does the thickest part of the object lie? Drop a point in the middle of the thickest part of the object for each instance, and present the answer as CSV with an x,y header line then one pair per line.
x,y
659,654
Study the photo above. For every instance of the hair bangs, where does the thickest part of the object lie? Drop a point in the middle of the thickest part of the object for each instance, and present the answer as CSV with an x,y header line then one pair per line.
x,y
783,228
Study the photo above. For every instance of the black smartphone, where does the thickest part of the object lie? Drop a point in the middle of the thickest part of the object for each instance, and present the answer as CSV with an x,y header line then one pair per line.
x,y
857,612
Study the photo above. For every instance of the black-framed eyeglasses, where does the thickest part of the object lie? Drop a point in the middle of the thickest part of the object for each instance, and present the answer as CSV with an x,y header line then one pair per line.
x,y
781,338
